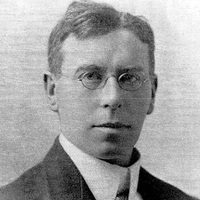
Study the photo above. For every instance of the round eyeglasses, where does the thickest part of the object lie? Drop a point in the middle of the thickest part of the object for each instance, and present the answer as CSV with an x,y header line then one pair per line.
x,y
127,81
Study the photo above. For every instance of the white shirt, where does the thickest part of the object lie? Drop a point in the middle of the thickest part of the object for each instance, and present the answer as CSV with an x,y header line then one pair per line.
x,y
102,178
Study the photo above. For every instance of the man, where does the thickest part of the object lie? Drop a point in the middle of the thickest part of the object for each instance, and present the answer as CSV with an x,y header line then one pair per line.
x,y
101,83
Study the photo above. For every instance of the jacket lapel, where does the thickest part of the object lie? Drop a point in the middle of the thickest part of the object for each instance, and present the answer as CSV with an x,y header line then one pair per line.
x,y
152,188
64,179
66,183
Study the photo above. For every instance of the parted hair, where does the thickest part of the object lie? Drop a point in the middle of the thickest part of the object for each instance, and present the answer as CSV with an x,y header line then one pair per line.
x,y
85,19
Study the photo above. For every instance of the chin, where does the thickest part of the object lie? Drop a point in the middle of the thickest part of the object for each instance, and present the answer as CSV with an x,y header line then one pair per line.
x,y
110,152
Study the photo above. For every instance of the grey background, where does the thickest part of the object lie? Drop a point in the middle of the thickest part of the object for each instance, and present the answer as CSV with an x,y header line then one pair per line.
x,y
170,141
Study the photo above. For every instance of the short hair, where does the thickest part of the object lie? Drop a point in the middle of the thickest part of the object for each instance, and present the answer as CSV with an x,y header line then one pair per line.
x,y
85,19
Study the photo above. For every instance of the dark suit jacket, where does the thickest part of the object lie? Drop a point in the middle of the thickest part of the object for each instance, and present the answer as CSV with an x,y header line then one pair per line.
x,y
57,178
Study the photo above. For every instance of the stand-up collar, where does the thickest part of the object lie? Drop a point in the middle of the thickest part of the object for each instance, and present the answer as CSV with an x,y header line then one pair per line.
x,y
102,178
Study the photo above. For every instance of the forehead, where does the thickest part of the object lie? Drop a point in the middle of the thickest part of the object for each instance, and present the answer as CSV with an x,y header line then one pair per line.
x,y
118,49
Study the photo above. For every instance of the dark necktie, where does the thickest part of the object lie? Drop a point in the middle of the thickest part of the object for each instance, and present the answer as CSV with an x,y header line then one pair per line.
x,y
123,191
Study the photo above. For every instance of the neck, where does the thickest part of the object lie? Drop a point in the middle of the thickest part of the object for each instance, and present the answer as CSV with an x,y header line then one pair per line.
x,y
125,161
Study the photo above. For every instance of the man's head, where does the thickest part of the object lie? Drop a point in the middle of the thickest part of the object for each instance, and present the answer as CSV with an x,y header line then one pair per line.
x,y
86,19
101,80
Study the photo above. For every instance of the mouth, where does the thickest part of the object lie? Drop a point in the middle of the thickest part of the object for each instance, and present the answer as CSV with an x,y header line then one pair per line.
x,y
116,125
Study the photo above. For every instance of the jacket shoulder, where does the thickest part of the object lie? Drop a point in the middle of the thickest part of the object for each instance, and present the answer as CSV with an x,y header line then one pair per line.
x,y
152,188
28,186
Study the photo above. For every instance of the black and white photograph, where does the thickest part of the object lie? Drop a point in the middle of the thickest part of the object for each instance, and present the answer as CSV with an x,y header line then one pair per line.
x,y
71,125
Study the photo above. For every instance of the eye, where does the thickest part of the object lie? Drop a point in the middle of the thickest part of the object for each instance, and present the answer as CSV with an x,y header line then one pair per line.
x,y
130,78
92,76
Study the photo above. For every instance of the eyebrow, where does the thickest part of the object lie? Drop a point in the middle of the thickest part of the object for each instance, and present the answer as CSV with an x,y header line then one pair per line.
x,y
90,67
130,67
101,68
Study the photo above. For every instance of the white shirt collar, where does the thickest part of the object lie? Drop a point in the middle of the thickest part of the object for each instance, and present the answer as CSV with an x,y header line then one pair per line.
x,y
101,177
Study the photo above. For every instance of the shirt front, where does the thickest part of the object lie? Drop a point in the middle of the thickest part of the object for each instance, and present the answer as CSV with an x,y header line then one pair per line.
x,y
102,178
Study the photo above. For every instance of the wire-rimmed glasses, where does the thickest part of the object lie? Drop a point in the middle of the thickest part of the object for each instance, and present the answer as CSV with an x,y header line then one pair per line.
x,y
127,81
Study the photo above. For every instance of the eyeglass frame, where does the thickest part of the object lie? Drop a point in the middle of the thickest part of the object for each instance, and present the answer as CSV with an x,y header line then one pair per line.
x,y
117,78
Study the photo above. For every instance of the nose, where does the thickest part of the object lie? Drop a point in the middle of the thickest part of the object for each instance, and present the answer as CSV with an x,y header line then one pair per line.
x,y
111,94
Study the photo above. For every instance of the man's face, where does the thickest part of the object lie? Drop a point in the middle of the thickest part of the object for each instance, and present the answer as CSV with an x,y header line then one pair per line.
x,y
105,123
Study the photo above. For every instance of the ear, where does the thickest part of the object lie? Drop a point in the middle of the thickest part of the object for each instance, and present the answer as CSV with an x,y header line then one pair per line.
x,y
154,85
50,86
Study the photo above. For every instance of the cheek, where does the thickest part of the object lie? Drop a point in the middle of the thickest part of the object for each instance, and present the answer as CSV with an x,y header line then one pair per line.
x,y
138,110
139,102
75,105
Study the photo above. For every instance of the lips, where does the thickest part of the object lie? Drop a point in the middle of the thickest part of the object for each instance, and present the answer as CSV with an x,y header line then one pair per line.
x,y
116,125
